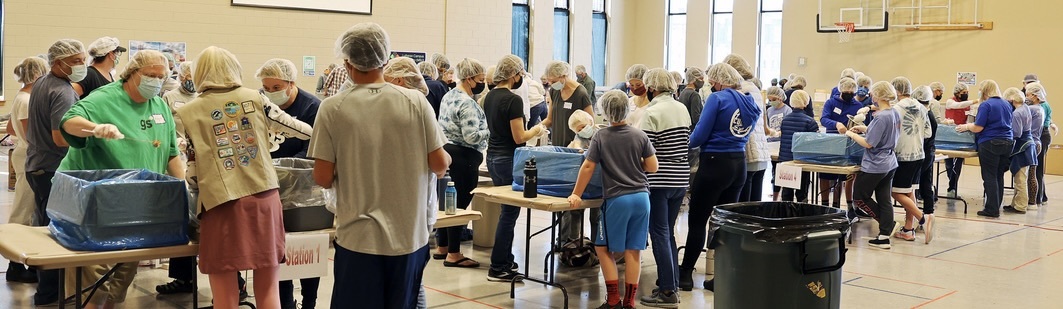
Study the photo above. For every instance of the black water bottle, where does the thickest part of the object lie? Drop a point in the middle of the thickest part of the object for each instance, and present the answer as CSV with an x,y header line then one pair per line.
x,y
441,189
531,181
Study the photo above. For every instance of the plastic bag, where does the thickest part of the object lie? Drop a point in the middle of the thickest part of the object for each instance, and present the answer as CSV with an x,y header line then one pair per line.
x,y
779,222
330,199
295,178
826,148
557,169
433,200
948,139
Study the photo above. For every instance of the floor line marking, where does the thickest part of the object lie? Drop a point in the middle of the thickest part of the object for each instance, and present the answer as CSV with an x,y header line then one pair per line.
x,y
851,280
934,300
891,279
1022,227
1027,263
1054,253
462,297
887,291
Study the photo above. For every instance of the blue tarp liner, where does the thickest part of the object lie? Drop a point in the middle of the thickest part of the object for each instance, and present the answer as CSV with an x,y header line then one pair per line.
x,y
557,169
118,209
948,139
827,149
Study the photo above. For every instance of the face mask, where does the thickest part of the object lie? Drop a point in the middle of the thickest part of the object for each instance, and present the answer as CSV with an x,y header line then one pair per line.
x,y
149,87
924,102
188,87
649,95
587,132
776,103
557,86
963,97
479,87
699,84
490,87
279,97
846,96
937,97
116,60
78,72
452,85
520,82
640,91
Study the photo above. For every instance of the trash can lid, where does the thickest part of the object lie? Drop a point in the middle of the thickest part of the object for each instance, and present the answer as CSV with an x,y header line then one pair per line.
x,y
779,222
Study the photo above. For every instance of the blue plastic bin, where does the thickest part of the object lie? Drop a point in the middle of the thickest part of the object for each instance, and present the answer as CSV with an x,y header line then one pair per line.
x,y
948,139
826,149
557,169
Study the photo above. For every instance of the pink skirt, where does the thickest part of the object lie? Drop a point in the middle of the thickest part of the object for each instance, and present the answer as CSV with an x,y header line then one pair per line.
x,y
247,233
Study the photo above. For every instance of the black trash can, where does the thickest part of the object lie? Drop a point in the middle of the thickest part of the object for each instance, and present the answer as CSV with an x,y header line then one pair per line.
x,y
778,255
302,199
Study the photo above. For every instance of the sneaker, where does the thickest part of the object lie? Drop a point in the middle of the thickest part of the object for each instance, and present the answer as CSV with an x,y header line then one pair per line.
x,y
1032,207
908,235
988,215
928,227
607,306
709,284
881,242
661,299
19,273
502,276
174,287
514,266
1011,209
952,194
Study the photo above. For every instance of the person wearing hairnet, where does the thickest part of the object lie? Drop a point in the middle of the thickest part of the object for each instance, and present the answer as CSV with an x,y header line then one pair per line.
x,y
51,97
956,109
995,143
105,52
566,96
239,206
181,96
835,118
465,127
443,69
915,127
925,177
793,123
506,122
722,132
777,111
171,81
1037,117
382,219
757,156
846,73
798,83
691,97
878,165
436,89
667,124
626,155
638,100
585,79
936,105
1035,92
1024,153
583,124
97,127
22,207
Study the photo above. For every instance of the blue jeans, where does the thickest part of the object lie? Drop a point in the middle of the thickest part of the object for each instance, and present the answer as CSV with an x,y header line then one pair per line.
x,y
377,281
537,115
501,170
994,160
664,209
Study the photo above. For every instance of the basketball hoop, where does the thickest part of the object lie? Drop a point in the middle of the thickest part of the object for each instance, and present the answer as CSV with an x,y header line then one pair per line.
x,y
845,31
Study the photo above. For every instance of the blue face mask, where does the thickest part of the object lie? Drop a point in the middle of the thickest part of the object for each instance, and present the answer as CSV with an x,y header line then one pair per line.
x,y
188,86
149,87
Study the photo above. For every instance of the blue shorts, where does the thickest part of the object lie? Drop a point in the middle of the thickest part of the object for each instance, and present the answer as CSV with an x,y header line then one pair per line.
x,y
625,221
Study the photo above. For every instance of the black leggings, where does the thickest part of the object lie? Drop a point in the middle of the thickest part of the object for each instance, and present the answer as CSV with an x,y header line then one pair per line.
x,y
753,189
719,181
881,207
465,172
925,179
1046,141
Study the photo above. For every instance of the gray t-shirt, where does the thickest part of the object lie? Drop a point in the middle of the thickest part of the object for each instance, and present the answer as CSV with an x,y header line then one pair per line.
x,y
619,151
50,99
561,109
692,100
379,136
882,135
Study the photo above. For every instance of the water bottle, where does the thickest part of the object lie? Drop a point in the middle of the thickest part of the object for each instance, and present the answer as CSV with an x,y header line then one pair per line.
x,y
441,188
531,179
451,200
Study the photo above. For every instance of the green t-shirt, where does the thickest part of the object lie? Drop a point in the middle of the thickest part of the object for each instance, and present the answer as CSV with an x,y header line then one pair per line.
x,y
143,124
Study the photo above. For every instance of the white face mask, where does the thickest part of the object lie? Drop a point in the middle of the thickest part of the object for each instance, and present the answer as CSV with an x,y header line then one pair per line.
x,y
558,85
587,132
78,72
149,87
278,97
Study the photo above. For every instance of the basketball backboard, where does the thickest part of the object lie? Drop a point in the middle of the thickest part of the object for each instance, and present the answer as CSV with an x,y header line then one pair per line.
x,y
866,15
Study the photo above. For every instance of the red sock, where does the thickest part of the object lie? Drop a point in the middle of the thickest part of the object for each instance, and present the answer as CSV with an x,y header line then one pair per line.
x,y
629,296
612,289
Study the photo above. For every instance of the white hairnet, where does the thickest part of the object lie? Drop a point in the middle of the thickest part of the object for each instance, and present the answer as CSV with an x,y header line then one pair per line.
x,y
848,72
694,74
799,99
581,69
775,91
143,59
791,76
863,81
100,47
365,46
678,77
636,72
858,74
557,69
883,90
922,93
902,85
216,68
960,87
659,80
847,85
579,117
441,62
27,71
427,68
64,48
724,74
989,89
490,72
405,69
740,65
797,81
614,105
937,86
184,70
282,69
507,67
756,82
1014,96
1038,90
468,68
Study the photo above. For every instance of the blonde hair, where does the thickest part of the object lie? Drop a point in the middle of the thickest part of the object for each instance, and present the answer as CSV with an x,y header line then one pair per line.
x,y
799,99
579,117
1014,96
989,89
30,69
883,90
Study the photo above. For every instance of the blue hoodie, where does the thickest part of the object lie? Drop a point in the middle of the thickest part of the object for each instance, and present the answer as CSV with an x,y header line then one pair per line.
x,y
726,121
835,110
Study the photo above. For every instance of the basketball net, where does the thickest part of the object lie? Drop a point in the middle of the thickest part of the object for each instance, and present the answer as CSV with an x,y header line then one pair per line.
x,y
845,31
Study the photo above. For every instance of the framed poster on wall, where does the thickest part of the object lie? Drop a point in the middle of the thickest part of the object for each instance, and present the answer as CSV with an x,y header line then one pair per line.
x,y
364,7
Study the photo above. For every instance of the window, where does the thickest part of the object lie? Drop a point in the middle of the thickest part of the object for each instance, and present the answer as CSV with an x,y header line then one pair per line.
x,y
599,30
722,20
561,30
521,19
675,47
770,45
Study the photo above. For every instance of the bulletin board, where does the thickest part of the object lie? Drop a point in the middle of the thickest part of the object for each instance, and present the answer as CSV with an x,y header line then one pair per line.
x,y
364,7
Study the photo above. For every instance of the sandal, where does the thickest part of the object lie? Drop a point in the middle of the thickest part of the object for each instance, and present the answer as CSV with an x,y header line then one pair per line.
x,y
439,256
460,264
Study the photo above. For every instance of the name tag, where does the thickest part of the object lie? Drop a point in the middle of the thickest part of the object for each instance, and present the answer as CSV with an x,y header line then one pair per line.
x,y
568,105
158,119
838,111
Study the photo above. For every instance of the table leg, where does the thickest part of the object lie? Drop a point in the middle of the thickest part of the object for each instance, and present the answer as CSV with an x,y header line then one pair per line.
x,y
62,288
77,287
937,193
195,283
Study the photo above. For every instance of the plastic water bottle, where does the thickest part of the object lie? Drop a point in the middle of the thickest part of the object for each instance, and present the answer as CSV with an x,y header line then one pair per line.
x,y
441,190
531,179
451,200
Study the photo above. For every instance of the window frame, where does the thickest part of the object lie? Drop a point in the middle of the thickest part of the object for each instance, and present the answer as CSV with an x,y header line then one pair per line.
x,y
760,38
669,14
527,31
716,13
599,74
568,15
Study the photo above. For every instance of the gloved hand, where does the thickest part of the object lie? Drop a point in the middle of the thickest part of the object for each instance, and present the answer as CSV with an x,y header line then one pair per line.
x,y
107,131
543,130
863,110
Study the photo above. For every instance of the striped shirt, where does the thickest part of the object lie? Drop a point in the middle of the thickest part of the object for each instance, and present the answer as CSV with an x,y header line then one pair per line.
x,y
667,124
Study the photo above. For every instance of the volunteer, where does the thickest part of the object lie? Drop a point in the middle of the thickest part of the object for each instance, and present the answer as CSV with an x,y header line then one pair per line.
x,y
957,109
757,156
995,142
22,208
638,101
105,52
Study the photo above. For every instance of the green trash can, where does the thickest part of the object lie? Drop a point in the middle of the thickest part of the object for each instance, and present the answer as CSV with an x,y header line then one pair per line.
x,y
778,255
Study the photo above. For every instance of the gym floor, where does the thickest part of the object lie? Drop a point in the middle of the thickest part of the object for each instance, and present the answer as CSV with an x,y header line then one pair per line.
x,y
1015,261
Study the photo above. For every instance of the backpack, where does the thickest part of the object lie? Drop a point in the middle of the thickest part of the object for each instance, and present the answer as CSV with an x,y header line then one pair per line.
x,y
578,253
